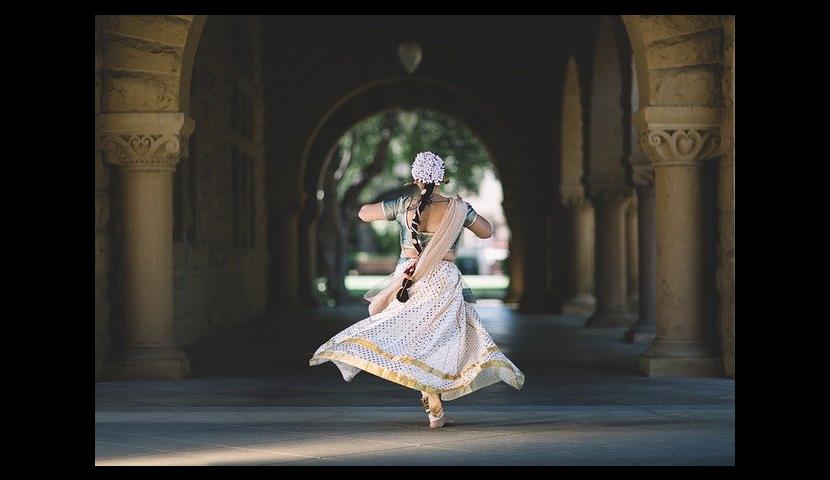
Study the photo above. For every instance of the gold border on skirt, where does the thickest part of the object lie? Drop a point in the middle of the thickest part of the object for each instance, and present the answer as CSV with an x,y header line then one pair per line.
x,y
413,361
408,381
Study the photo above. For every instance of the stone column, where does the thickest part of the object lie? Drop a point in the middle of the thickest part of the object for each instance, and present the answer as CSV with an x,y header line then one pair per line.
x,y
515,267
645,329
147,147
609,198
631,246
677,140
581,258
726,204
307,254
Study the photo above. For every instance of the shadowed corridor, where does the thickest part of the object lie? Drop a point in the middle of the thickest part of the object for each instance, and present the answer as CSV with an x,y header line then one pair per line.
x,y
252,399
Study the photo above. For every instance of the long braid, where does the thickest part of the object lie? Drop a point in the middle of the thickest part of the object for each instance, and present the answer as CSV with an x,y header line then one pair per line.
x,y
414,226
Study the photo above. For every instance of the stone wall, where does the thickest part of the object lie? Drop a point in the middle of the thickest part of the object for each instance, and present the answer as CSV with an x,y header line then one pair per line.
x,y
102,238
143,57
683,57
726,203
220,256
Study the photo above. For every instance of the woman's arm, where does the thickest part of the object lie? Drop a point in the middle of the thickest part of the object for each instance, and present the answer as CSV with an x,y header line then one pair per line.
x,y
481,227
371,212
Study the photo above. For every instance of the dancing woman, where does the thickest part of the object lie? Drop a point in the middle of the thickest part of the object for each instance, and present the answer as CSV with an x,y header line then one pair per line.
x,y
423,331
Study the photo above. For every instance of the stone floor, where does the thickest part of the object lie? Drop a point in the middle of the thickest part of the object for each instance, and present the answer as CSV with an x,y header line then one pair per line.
x,y
253,400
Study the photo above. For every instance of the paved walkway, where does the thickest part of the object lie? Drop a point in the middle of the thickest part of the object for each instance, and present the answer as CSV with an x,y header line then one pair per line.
x,y
254,401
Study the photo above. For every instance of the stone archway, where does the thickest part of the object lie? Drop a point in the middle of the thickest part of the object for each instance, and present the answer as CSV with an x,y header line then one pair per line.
x,y
642,176
605,178
572,194
678,58
403,93
143,67
147,62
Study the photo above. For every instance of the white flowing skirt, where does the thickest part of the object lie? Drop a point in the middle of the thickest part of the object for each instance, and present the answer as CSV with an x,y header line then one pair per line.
x,y
434,342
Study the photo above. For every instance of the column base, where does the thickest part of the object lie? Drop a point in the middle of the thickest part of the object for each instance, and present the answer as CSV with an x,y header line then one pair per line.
x,y
582,304
148,363
641,333
610,319
681,359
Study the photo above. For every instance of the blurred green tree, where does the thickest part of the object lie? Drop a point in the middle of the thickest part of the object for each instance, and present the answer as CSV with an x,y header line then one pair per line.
x,y
371,163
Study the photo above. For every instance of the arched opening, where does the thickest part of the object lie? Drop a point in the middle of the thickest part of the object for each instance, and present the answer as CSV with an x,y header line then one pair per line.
x,y
580,265
606,178
370,163
640,236
407,94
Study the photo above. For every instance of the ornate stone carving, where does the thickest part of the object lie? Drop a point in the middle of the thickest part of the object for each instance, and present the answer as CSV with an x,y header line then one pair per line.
x,y
642,175
145,141
143,152
679,135
640,168
680,144
575,201
608,187
572,195
610,193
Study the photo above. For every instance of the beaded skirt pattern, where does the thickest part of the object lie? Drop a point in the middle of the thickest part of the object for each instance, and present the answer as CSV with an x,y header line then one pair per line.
x,y
435,342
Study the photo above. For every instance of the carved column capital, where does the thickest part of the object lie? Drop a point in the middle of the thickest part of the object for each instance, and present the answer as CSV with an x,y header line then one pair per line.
x,y
609,194
642,176
608,188
145,141
572,195
684,136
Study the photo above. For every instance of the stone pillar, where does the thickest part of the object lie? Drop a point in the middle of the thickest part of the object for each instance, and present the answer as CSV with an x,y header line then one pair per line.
x,y
677,140
307,253
581,258
645,329
609,199
726,204
146,147
515,267
631,246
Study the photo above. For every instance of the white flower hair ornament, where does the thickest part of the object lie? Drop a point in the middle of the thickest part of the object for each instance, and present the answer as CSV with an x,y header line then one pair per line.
x,y
428,168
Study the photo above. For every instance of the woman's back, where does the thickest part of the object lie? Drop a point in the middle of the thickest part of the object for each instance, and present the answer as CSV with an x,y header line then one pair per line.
x,y
431,216
402,210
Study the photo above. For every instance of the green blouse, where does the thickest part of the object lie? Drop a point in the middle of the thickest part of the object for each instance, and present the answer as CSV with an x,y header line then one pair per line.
x,y
395,209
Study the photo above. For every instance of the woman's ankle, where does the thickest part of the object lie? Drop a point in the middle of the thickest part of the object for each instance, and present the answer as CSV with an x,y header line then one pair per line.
x,y
436,407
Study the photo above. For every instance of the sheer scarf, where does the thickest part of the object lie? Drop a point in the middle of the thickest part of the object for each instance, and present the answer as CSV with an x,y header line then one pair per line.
x,y
380,295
